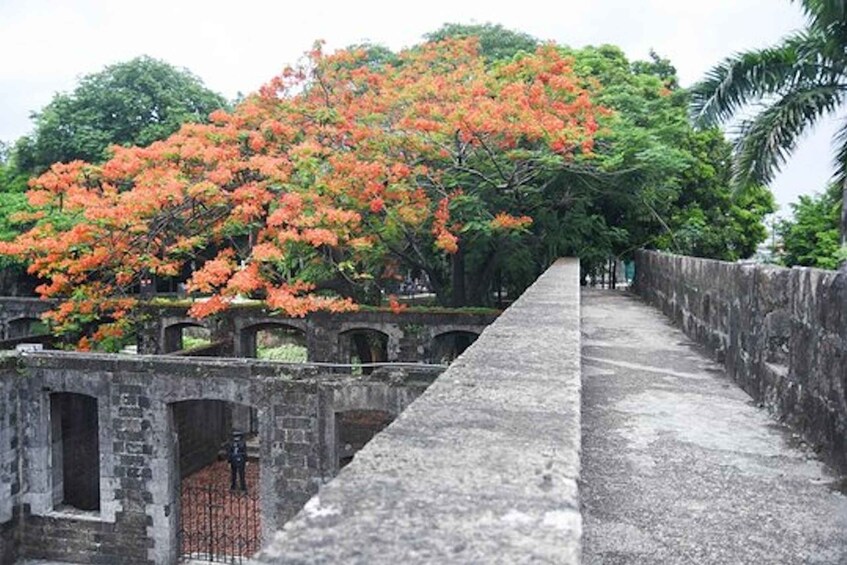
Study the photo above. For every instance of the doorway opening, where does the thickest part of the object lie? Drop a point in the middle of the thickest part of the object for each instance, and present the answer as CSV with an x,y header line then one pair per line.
x,y
219,516
25,327
449,345
187,335
274,342
361,347
75,452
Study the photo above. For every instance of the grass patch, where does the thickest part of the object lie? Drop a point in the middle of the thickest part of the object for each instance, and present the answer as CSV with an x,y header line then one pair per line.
x,y
288,353
189,342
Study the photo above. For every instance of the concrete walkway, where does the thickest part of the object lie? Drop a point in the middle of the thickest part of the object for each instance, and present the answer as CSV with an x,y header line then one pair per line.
x,y
679,464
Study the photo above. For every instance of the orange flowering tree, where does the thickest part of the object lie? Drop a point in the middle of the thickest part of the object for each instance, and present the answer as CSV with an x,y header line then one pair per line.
x,y
335,175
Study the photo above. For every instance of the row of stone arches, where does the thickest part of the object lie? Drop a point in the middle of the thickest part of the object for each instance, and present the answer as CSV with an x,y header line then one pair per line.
x,y
22,327
288,342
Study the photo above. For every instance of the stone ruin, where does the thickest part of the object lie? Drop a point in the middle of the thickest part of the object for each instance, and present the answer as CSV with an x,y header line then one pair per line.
x,y
98,449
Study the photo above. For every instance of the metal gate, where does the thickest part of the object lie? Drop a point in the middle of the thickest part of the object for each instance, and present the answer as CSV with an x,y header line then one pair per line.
x,y
218,524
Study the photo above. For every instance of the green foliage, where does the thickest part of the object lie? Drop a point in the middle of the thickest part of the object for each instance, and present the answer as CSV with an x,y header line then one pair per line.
x,y
288,353
810,239
376,55
190,342
495,41
131,103
655,181
659,67
12,201
651,180
12,180
795,83
709,219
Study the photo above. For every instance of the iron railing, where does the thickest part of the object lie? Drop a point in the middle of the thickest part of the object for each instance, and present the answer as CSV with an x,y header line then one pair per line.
x,y
217,524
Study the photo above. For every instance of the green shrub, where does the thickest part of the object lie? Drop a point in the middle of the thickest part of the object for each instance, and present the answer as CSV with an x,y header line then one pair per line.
x,y
288,353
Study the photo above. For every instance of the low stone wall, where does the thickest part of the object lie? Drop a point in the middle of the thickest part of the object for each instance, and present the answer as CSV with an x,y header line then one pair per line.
x,y
782,334
482,468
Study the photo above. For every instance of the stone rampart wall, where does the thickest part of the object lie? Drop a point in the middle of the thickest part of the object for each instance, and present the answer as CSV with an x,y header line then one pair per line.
x,y
482,468
782,333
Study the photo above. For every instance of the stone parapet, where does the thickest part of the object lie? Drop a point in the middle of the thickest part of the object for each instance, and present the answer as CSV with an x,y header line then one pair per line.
x,y
482,468
782,334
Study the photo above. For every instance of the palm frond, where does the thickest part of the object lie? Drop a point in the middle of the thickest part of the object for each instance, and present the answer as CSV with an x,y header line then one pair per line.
x,y
750,76
839,142
825,15
764,143
840,177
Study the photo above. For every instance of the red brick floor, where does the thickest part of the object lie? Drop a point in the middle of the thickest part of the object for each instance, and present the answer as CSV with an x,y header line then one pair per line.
x,y
217,523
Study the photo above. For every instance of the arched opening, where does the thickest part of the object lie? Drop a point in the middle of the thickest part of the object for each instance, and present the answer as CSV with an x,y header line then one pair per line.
x,y
219,513
185,335
75,451
23,327
354,429
449,345
363,346
274,342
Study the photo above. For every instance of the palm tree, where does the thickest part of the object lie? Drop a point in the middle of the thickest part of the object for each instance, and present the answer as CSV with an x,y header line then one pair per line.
x,y
796,83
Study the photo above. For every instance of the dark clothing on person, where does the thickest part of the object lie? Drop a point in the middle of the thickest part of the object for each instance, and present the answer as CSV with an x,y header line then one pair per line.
x,y
237,456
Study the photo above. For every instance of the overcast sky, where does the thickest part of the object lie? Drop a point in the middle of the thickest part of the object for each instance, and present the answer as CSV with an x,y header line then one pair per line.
x,y
238,45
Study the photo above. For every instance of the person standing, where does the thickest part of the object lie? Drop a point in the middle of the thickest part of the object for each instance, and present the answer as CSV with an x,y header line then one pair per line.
x,y
237,456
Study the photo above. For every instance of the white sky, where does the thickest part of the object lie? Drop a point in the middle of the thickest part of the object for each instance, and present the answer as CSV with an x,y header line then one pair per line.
x,y
238,45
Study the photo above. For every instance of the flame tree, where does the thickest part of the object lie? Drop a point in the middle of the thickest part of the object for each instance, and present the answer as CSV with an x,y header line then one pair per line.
x,y
313,190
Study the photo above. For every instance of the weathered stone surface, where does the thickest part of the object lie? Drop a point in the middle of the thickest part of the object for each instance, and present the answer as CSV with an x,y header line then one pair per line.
x,y
482,468
16,313
410,335
680,466
137,399
781,333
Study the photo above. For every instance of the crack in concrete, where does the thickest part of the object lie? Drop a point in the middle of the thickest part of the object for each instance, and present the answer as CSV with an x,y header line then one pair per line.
x,y
649,368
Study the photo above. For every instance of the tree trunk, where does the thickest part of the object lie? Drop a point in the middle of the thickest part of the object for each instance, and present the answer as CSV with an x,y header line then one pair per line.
x,y
480,285
613,263
499,283
458,263
843,225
